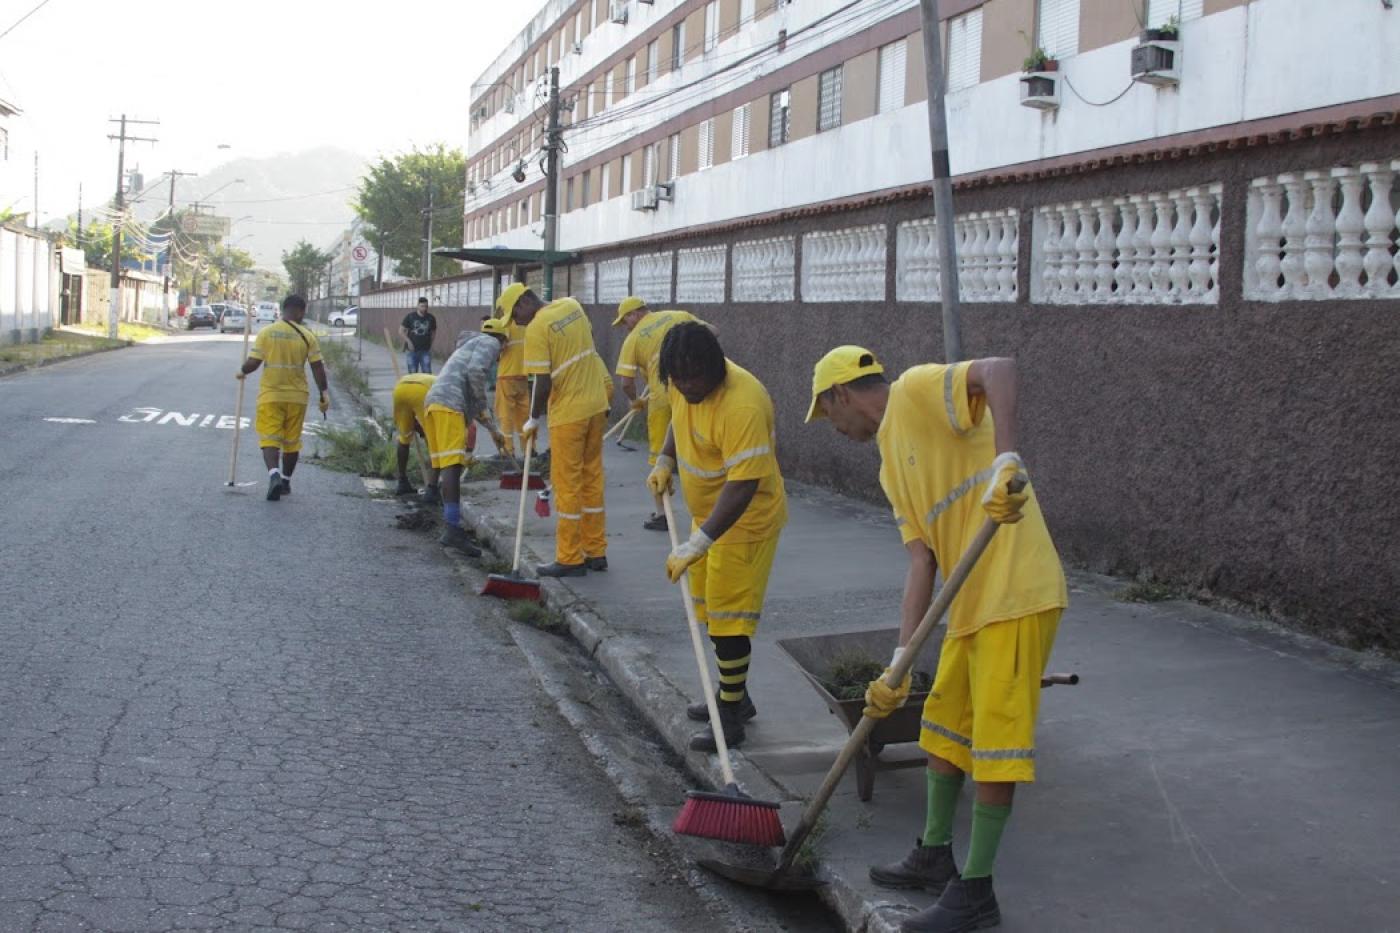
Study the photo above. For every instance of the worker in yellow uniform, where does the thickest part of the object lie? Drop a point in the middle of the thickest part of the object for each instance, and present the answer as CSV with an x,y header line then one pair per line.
x,y
512,385
947,439
284,348
640,359
722,439
571,390
409,393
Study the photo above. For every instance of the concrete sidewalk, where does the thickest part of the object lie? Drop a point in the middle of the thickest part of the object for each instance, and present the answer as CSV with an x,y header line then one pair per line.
x,y
1210,773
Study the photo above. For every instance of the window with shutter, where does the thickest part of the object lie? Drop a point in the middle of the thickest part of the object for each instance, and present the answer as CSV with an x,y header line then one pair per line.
x,y
607,91
649,157
653,60
605,187
892,76
779,122
707,144
711,25
746,12
587,177
829,99
678,46
631,75
1058,27
1159,12
965,50
626,174
739,138
675,157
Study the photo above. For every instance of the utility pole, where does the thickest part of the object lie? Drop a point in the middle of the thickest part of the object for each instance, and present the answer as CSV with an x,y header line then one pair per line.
x,y
379,263
36,190
170,249
428,234
115,302
80,215
942,182
551,185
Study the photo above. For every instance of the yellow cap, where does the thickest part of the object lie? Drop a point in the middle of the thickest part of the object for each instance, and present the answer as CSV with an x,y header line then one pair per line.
x,y
496,325
629,304
509,296
840,366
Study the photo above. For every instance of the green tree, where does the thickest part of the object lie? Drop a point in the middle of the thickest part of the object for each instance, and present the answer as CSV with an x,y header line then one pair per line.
x,y
304,265
95,241
393,196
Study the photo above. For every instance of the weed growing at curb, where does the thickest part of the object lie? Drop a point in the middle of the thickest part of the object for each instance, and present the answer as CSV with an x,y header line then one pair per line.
x,y
1141,591
533,614
346,369
365,448
809,856
495,565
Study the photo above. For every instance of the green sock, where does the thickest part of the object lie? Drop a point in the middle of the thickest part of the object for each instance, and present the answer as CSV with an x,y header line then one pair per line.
x,y
987,823
942,801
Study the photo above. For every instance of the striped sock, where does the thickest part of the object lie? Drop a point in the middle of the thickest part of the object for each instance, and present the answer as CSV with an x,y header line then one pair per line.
x,y
732,653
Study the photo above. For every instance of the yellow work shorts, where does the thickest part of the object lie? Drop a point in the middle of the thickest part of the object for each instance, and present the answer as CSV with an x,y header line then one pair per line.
x,y
981,712
447,436
279,425
658,420
408,409
729,584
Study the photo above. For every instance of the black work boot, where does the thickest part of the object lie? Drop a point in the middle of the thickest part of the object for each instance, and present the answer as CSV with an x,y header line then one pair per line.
x,y
733,725
927,868
600,564
966,904
405,488
430,496
454,536
274,487
286,486
557,569
700,712
655,523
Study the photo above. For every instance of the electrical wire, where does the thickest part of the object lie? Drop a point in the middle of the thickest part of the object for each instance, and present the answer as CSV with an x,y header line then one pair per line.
x,y
15,25
1075,91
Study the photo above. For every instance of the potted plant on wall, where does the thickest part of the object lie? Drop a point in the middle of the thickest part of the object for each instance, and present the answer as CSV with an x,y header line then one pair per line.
x,y
1169,31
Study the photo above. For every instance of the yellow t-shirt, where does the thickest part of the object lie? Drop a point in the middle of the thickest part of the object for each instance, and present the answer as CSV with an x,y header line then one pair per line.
x,y
640,356
936,452
559,344
731,436
512,361
285,349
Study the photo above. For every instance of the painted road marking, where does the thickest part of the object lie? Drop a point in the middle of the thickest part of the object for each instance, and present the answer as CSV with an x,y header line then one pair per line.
x,y
180,419
71,420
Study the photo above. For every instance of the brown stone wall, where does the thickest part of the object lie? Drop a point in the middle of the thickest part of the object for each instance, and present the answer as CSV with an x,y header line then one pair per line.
x,y
1217,447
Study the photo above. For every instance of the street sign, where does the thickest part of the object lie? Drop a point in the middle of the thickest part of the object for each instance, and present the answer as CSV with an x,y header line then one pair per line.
x,y
205,225
359,253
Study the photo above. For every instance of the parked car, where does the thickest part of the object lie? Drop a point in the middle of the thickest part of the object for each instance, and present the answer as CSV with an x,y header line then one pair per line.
x,y
234,319
266,313
217,309
202,316
350,317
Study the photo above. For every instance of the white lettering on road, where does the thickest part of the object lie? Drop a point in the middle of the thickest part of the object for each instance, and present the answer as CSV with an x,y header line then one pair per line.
x,y
71,420
180,419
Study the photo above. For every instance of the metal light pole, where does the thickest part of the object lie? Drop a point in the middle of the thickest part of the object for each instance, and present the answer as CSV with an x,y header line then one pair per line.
x,y
942,182
551,189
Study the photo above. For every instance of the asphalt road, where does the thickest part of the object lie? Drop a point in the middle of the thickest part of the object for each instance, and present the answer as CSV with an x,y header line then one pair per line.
x,y
220,712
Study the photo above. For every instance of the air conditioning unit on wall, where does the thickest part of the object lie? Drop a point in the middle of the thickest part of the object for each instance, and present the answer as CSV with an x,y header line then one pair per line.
x,y
666,191
644,199
619,12
1157,61
1040,90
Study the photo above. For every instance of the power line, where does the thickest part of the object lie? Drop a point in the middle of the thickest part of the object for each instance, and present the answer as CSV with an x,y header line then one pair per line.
x,y
15,25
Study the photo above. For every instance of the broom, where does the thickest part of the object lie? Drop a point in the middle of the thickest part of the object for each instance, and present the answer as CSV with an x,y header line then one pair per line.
x,y
513,585
730,815
238,408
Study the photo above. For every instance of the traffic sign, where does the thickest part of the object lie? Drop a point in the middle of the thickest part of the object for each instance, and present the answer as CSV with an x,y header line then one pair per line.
x,y
359,253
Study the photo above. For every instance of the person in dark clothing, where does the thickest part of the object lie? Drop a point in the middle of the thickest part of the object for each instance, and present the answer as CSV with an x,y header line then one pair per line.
x,y
418,330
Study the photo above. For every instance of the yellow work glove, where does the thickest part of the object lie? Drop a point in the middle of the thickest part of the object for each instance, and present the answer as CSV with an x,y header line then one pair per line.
x,y
1001,504
661,480
240,375
880,698
686,554
324,403
639,404
530,430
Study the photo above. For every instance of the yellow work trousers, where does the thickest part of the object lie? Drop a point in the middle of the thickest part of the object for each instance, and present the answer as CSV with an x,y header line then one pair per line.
x,y
512,407
576,473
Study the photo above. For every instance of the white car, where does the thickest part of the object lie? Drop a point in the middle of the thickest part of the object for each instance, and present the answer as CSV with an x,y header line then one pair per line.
x,y
235,319
350,317
266,313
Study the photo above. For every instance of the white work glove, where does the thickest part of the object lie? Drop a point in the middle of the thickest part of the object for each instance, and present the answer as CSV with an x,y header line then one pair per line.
x,y
880,698
686,554
661,480
530,430
1001,504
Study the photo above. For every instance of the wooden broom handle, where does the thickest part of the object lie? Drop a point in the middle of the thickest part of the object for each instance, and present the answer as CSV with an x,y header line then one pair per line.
x,y
524,487
238,406
699,645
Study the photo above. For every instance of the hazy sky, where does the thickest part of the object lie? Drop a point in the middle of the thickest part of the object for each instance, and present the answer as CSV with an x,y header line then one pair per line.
x,y
259,76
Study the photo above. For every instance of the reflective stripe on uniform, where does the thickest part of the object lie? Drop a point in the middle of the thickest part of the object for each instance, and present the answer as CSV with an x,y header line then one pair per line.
x,y
948,402
695,470
734,615
960,490
947,733
447,453
1003,754
569,362
571,516
593,511
749,454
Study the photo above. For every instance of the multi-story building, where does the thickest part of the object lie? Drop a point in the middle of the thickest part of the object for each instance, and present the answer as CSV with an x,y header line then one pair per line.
x,y
1184,236
353,260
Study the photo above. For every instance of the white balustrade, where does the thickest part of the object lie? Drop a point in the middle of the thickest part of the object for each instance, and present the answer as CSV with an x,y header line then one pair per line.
x,y
613,280
844,265
764,269
987,243
651,278
1323,234
700,275
1158,248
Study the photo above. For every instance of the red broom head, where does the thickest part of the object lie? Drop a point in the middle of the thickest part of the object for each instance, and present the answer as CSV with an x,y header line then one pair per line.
x,y
730,817
507,587
513,480
537,481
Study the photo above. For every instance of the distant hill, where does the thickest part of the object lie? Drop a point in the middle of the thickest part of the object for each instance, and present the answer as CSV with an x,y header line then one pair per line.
x,y
290,196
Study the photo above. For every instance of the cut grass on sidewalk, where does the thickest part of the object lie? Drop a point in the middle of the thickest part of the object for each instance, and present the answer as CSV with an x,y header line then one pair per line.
x,y
126,330
369,447
56,345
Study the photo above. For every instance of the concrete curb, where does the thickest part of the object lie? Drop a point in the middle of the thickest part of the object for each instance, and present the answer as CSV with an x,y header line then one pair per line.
x,y
661,704
24,367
